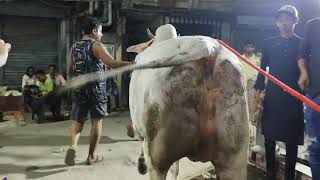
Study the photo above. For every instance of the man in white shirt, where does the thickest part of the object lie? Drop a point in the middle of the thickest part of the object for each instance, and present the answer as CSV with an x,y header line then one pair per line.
x,y
29,78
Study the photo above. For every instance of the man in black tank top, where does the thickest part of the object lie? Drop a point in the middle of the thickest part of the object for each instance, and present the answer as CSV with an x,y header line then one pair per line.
x,y
86,56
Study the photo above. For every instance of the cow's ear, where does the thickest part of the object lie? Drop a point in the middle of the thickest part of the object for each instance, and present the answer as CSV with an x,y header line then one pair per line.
x,y
151,36
139,48
136,48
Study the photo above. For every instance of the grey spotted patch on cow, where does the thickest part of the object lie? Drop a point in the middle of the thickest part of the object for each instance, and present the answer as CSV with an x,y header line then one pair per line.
x,y
153,115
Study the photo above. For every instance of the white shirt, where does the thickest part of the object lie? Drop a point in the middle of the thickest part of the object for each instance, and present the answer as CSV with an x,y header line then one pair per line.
x,y
27,80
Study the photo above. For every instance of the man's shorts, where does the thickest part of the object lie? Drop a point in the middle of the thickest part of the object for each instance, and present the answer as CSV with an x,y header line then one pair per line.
x,y
84,103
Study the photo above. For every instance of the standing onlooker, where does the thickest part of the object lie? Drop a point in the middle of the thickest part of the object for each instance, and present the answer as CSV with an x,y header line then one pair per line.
x,y
251,76
250,54
309,65
89,55
282,118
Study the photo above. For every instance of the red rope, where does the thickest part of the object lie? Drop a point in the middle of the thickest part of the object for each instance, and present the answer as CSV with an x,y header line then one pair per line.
x,y
275,80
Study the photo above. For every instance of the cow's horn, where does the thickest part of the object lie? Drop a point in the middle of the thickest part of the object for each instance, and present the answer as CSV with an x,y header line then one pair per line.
x,y
151,36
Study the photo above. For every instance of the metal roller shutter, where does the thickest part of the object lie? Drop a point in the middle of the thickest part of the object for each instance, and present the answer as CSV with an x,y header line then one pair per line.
x,y
34,43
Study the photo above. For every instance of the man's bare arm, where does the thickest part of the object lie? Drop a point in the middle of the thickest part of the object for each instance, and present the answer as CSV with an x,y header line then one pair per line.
x,y
101,52
304,78
69,64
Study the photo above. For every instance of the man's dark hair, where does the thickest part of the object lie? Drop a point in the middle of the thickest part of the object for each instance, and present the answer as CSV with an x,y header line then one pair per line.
x,y
247,42
40,72
88,24
52,65
28,68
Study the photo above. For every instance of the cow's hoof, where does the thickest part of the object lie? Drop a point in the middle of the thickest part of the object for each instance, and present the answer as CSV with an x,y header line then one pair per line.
x,y
142,167
130,131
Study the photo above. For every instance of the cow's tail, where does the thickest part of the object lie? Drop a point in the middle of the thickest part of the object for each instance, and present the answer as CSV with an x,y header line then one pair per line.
x,y
142,167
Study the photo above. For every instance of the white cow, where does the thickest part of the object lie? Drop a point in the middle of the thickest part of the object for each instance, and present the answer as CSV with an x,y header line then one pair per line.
x,y
4,50
196,110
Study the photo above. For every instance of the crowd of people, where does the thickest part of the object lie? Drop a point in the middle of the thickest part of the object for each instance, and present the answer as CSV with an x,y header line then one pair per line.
x,y
40,92
295,62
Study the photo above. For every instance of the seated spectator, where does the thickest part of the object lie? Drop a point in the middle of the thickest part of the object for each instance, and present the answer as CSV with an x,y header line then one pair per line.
x,y
29,79
46,96
59,81
33,94
58,78
46,83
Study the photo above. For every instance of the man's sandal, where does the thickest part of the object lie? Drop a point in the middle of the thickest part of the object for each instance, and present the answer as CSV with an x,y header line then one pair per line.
x,y
70,157
92,161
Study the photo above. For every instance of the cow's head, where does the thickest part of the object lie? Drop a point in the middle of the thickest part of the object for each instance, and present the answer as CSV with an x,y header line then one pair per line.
x,y
4,50
163,33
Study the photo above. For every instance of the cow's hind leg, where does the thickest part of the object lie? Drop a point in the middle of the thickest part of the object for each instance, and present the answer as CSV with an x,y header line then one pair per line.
x,y
232,174
156,174
233,168
155,170
142,167
174,170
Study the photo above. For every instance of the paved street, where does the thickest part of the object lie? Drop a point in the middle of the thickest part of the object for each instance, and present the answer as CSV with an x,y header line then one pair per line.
x,y
37,152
